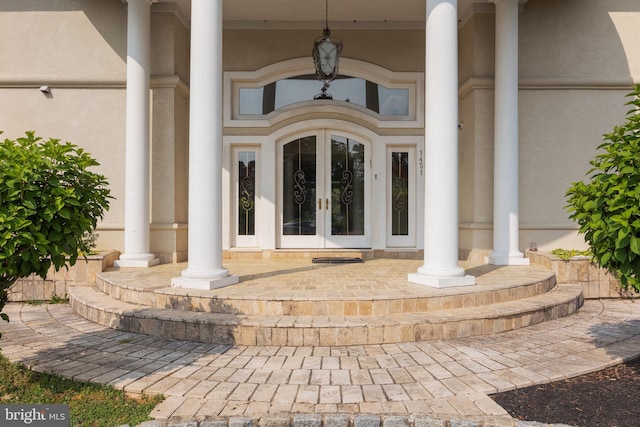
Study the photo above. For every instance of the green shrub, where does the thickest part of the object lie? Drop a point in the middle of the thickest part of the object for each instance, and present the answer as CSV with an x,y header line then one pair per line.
x,y
49,203
607,206
567,254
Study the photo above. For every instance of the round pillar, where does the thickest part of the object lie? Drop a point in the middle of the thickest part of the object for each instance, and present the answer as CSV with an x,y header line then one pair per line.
x,y
204,269
136,203
505,186
441,268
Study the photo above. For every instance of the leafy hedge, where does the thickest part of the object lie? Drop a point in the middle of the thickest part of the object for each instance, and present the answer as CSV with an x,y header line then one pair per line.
x,y
607,206
49,201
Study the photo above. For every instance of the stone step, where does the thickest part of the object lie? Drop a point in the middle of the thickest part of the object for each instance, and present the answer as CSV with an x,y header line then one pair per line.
x,y
254,296
292,330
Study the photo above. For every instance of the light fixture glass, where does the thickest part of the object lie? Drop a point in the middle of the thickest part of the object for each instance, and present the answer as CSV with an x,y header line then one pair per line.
x,y
326,57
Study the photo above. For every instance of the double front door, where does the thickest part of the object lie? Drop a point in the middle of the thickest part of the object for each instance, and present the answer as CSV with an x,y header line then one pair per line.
x,y
323,192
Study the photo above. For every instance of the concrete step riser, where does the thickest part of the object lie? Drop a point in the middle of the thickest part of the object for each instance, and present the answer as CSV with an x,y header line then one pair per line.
x,y
171,299
247,330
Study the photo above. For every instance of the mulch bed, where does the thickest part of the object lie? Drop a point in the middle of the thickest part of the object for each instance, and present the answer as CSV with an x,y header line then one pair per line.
x,y
606,398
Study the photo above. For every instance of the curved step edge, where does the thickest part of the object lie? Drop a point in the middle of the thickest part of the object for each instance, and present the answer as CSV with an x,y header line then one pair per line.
x,y
232,329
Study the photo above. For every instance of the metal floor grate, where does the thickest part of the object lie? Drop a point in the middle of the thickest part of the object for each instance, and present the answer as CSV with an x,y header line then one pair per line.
x,y
336,260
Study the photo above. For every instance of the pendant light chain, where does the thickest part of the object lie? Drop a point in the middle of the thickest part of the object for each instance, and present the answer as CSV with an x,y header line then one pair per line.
x,y
326,14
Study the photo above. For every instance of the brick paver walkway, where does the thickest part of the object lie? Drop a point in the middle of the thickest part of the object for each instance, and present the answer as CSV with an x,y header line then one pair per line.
x,y
446,379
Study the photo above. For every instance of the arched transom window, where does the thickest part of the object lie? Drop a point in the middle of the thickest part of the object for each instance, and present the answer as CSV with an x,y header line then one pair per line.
x,y
281,91
375,97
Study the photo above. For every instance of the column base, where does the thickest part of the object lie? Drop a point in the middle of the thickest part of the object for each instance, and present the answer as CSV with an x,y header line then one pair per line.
x,y
441,282
136,261
508,259
202,283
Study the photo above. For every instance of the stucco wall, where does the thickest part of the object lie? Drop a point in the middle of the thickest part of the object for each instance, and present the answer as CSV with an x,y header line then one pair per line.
x,y
74,41
78,48
579,39
476,67
396,50
169,141
577,60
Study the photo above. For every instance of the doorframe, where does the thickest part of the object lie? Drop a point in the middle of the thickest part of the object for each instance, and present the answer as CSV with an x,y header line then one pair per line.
x,y
409,240
323,128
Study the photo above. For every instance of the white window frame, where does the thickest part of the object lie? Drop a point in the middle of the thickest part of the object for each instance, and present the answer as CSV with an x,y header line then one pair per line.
x,y
398,241
234,80
244,241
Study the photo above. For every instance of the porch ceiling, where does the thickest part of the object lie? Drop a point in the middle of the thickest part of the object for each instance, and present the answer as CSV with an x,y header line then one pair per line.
x,y
310,13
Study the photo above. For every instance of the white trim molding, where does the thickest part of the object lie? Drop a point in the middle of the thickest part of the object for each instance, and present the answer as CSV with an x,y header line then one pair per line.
x,y
234,80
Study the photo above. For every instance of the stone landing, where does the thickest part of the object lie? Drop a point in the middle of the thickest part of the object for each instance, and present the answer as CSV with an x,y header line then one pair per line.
x,y
292,302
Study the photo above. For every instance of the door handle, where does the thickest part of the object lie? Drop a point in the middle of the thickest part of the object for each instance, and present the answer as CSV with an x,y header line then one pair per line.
x,y
320,204
326,204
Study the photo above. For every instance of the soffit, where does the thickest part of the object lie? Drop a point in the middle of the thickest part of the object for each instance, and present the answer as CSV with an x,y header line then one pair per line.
x,y
342,14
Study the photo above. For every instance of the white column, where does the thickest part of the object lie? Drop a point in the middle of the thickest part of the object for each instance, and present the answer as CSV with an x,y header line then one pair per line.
x,y
505,174
204,269
441,267
136,198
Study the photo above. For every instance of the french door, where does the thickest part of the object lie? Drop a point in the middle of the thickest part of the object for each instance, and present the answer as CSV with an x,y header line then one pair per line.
x,y
323,191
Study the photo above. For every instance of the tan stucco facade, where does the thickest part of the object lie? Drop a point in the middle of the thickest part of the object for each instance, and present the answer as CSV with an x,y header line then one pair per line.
x,y
577,60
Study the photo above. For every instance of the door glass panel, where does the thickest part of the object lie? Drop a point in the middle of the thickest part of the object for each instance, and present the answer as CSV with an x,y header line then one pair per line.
x,y
299,187
399,193
246,193
347,187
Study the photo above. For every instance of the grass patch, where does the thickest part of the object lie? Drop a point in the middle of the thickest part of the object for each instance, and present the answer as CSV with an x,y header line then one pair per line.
x,y
567,254
90,405
55,299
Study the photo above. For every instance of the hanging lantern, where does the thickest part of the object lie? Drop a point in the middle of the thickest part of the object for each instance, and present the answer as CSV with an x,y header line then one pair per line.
x,y
326,57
